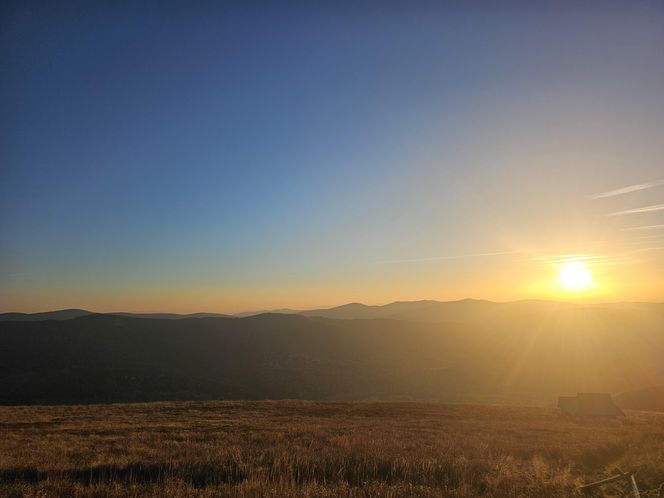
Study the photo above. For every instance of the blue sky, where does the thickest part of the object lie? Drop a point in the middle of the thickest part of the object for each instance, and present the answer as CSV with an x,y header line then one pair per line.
x,y
228,156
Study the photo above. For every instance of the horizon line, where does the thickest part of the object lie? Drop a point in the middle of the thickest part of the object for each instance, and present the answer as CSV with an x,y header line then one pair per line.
x,y
297,311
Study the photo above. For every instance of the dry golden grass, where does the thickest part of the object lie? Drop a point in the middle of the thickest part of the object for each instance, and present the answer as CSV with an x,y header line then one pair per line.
x,y
309,449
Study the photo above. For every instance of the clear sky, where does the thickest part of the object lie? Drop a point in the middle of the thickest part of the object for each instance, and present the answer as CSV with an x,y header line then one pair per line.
x,y
226,157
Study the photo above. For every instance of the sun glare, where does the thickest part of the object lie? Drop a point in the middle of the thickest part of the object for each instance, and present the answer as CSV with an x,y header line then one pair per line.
x,y
575,276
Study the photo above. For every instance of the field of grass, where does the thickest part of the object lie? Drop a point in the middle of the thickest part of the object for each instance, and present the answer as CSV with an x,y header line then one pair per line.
x,y
311,449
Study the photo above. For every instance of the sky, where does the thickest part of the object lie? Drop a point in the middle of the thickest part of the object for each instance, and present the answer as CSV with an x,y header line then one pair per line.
x,y
193,156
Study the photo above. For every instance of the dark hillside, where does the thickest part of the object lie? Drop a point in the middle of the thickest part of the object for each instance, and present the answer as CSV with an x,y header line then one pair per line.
x,y
525,358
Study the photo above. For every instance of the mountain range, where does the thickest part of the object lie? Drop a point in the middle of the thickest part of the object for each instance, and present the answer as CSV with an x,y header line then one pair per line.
x,y
475,310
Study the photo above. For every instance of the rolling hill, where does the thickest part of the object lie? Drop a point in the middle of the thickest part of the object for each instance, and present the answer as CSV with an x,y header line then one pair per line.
x,y
527,353
468,310
45,315
76,313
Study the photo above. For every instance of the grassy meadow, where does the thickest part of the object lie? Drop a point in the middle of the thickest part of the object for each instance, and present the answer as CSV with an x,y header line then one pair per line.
x,y
312,449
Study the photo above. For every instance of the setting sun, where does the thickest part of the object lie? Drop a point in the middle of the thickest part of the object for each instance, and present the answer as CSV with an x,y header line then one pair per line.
x,y
575,276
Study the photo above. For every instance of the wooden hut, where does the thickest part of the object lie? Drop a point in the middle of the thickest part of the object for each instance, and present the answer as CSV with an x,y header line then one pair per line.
x,y
589,405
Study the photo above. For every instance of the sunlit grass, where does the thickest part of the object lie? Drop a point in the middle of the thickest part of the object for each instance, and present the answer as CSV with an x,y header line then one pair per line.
x,y
315,449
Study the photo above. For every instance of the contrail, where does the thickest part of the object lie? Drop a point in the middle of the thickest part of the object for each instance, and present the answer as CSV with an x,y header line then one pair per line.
x,y
647,227
647,249
627,190
645,209
457,256
522,252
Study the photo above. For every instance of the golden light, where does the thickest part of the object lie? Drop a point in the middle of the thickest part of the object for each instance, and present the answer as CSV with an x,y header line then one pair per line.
x,y
575,276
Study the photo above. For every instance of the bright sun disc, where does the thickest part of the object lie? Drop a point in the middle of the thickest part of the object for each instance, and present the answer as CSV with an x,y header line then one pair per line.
x,y
575,277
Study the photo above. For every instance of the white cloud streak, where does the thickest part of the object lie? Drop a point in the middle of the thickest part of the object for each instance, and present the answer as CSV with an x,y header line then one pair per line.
x,y
523,252
644,209
627,190
457,256
647,227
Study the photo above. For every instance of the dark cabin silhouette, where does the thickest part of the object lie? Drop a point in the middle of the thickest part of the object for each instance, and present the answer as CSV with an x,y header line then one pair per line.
x,y
589,405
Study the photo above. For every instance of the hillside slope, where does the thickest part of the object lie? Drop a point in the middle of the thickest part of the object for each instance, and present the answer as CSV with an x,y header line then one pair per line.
x,y
525,358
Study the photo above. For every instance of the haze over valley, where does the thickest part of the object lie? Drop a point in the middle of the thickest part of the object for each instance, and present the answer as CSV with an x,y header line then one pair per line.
x,y
468,351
